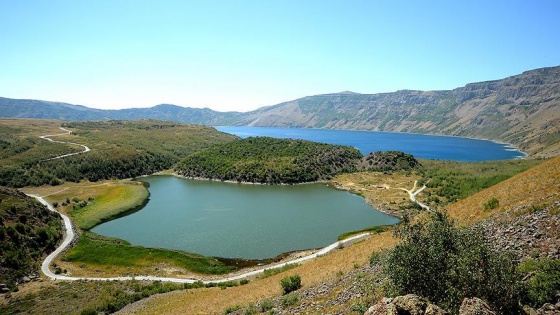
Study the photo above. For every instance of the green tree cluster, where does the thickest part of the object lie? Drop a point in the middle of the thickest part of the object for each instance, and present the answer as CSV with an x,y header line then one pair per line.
x,y
28,231
270,161
445,264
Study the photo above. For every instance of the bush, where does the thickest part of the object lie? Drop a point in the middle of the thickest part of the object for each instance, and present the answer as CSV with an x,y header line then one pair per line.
x,y
446,264
543,286
266,306
491,204
290,299
88,311
290,283
231,309
243,282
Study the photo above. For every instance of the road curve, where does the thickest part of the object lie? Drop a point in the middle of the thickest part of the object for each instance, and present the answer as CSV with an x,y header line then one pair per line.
x,y
412,194
47,137
69,236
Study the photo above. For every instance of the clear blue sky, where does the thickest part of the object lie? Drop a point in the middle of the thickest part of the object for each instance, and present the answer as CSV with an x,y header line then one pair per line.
x,y
241,55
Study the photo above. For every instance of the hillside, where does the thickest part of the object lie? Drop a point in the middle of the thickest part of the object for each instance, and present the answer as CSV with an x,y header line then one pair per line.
x,y
523,110
28,232
270,161
119,149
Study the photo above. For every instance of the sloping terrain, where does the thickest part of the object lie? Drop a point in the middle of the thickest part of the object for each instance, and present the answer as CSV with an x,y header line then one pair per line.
x,y
523,110
28,232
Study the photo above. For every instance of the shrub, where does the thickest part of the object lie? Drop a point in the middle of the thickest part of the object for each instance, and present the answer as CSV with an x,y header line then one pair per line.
x,y
290,283
543,286
243,282
446,264
290,299
231,309
251,310
266,305
491,204
88,311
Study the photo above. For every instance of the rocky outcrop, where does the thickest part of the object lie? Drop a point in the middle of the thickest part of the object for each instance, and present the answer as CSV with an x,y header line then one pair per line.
x,y
475,306
547,309
405,305
411,304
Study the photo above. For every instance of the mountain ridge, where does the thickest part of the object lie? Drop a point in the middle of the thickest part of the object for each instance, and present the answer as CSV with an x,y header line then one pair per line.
x,y
523,110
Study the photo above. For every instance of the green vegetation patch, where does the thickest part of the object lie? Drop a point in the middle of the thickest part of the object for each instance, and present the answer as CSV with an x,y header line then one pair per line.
x,y
449,181
445,264
270,161
117,200
96,250
371,229
388,161
28,232
274,271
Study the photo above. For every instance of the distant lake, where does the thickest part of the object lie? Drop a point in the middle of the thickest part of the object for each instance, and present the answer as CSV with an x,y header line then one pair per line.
x,y
421,146
241,220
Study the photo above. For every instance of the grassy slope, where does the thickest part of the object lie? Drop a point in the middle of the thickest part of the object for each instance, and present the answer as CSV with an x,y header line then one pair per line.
x,y
536,185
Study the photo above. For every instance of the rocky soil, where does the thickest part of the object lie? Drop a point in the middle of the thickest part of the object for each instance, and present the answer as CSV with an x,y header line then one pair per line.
x,y
530,231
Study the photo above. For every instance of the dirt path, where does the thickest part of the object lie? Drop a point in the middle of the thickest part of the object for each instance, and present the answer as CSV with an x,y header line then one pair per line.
x,y
67,132
412,194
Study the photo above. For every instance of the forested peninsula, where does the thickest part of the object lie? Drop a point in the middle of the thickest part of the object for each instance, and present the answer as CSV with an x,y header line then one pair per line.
x,y
267,160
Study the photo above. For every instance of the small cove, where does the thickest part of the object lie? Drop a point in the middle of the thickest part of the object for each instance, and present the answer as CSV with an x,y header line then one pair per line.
x,y
241,221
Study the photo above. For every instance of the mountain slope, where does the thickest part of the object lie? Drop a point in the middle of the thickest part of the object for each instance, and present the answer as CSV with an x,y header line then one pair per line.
x,y
523,110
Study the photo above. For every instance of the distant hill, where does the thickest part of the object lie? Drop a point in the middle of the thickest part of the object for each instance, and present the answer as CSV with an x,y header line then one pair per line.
x,y
523,110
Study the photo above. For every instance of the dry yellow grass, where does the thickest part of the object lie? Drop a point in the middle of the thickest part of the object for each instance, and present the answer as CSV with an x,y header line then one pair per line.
x,y
214,301
536,185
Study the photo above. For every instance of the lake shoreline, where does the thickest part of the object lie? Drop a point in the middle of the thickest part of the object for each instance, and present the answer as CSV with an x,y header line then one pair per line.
x,y
507,145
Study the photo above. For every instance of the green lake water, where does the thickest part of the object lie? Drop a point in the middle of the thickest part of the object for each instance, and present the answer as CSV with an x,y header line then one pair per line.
x,y
241,221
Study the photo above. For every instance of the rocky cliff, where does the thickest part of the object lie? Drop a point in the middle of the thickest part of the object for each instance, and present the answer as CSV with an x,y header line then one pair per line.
x,y
523,110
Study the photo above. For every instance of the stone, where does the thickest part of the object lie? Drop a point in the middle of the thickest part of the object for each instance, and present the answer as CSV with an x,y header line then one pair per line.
x,y
405,305
410,303
433,309
475,306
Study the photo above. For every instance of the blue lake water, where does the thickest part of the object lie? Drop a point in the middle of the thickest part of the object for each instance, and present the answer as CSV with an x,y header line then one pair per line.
x,y
421,146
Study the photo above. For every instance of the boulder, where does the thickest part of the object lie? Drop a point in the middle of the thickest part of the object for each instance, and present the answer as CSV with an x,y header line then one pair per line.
x,y
409,304
475,306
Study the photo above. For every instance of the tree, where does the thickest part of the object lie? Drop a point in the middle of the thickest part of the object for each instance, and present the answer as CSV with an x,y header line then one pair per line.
x,y
445,264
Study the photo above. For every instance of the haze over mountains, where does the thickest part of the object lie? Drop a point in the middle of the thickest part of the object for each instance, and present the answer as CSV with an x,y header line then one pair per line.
x,y
523,110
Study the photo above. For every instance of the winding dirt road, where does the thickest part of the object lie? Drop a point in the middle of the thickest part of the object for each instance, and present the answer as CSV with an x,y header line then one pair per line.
x,y
67,132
